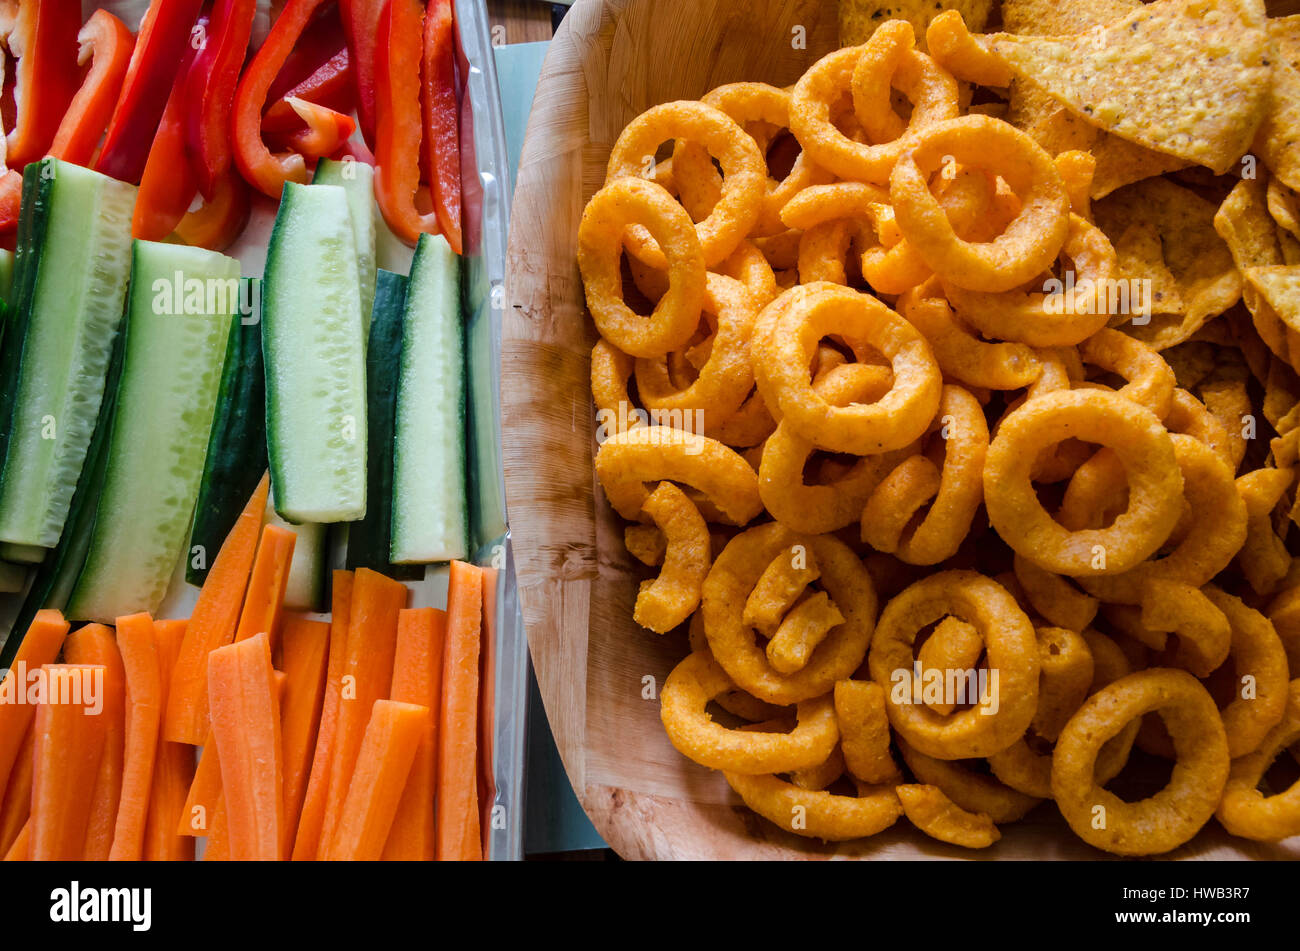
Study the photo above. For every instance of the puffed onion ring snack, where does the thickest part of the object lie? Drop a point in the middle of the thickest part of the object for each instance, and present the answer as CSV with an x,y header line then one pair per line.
x,y
600,243
1030,242
792,327
1176,813
1142,444
1247,812
743,168
697,680
927,808
734,576
1009,698
818,814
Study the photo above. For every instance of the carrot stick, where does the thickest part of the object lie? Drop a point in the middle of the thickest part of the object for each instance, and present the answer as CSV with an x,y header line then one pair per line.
x,y
173,768
201,800
246,724
213,623
138,643
458,836
368,676
306,650
65,757
17,803
387,751
21,850
261,614
96,644
217,848
417,678
307,839
487,784
40,646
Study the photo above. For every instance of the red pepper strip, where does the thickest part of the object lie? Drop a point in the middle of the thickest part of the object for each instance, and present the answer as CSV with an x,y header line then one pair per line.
x,y
11,193
169,184
219,222
43,38
326,129
397,135
262,170
320,41
210,90
106,44
331,85
442,119
361,26
167,35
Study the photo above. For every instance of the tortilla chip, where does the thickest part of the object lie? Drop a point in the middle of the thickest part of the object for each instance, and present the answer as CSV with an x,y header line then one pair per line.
x,y
1141,257
1191,362
1244,223
859,18
1284,206
1281,392
1290,247
1061,17
1056,128
1185,77
1121,162
1278,139
1272,294
1200,262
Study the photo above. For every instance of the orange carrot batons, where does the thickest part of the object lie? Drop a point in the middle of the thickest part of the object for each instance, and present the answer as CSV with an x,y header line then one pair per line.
x,y
387,751
96,644
246,725
173,767
417,678
66,752
367,677
138,642
41,645
265,597
213,623
306,843
306,647
458,833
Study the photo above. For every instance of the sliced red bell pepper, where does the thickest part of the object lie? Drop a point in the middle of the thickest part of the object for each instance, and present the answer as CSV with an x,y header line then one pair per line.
x,y
210,90
354,149
442,119
331,85
11,194
361,26
218,223
43,38
321,40
168,184
326,130
397,132
106,44
167,35
262,170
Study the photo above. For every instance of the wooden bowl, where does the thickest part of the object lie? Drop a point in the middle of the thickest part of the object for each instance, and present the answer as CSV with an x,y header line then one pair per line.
x,y
598,671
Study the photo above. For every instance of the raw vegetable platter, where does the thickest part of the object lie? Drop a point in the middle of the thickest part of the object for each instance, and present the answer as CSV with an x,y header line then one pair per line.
x,y
371,396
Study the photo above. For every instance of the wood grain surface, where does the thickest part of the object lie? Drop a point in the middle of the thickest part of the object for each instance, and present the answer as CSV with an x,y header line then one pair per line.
x,y
598,671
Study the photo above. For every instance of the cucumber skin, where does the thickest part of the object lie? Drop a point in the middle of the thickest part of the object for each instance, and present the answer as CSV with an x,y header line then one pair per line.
x,y
101,580
32,224
59,571
236,457
368,539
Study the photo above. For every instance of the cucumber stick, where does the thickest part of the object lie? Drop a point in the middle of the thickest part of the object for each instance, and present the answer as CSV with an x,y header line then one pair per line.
x,y
12,577
430,509
236,457
170,377
315,366
23,554
70,289
304,589
358,180
370,538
